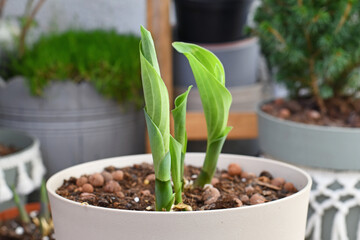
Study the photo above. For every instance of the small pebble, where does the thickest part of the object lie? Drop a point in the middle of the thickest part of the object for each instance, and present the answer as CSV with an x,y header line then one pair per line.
x,y
245,199
234,169
33,214
81,181
239,203
71,187
19,230
136,199
88,188
278,181
279,101
313,114
87,196
45,238
146,182
214,181
210,195
194,176
96,179
118,175
284,113
248,175
225,175
249,190
150,177
256,199
290,187
267,108
112,186
107,176
120,194
145,192
264,179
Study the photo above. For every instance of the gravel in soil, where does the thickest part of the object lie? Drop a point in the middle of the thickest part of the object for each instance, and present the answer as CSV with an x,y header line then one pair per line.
x,y
341,112
132,188
14,229
6,150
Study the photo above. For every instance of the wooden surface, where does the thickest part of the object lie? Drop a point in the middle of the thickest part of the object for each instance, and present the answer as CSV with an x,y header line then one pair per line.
x,y
244,126
158,23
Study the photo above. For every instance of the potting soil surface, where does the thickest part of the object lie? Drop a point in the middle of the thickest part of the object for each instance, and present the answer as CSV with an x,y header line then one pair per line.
x,y
340,112
132,188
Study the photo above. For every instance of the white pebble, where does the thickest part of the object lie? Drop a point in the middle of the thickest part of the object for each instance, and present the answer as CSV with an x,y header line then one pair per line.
x,y
33,214
136,199
243,179
194,176
45,238
19,230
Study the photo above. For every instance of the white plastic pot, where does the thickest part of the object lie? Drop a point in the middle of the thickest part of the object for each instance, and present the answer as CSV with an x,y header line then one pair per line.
x,y
284,219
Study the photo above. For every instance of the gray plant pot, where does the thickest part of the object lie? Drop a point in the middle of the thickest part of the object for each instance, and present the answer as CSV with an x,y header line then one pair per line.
x,y
73,122
328,153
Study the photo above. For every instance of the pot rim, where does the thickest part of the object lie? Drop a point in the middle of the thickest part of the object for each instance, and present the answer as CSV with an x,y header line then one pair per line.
x,y
215,211
304,126
19,154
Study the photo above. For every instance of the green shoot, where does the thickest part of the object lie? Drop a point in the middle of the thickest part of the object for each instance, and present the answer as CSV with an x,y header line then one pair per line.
x,y
45,221
177,159
44,203
157,120
20,206
179,144
216,100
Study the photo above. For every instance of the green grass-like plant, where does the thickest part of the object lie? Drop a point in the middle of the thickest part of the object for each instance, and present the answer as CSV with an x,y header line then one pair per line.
x,y
169,152
106,59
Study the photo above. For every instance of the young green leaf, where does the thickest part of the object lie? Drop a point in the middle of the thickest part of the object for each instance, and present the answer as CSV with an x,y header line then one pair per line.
x,y
216,100
177,159
176,168
44,203
157,120
20,206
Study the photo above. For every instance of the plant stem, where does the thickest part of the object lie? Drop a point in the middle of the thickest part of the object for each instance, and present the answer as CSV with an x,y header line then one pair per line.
x,y
213,150
313,78
344,17
315,87
20,206
44,201
26,27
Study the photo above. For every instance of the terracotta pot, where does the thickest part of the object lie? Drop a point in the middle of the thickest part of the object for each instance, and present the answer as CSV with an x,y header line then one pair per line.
x,y
283,219
12,213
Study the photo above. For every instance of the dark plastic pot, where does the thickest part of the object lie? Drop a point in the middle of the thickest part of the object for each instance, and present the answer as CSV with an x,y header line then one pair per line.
x,y
211,21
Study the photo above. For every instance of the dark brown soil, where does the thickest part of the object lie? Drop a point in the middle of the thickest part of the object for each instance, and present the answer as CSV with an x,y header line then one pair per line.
x,y
15,230
341,112
6,150
236,189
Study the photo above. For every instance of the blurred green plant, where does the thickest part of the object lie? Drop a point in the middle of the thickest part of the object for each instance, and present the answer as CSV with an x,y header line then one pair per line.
x,y
312,45
106,59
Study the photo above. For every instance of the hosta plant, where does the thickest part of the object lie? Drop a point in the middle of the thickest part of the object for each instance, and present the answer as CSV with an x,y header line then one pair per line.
x,y
169,152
